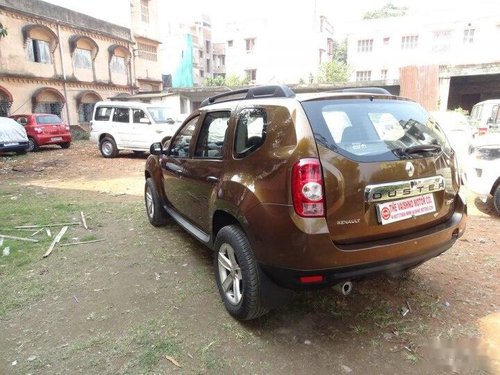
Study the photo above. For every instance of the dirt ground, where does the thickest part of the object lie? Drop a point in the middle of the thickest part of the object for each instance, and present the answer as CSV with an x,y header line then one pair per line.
x,y
144,299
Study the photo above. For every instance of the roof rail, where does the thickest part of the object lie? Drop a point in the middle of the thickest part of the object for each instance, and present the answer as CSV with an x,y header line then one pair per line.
x,y
368,90
268,91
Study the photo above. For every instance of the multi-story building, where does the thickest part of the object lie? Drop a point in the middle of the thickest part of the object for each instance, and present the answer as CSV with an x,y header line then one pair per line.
x,y
188,52
59,61
279,50
442,60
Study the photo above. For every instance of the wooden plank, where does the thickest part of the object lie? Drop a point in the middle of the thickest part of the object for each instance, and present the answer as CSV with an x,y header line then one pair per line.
x,y
56,240
84,222
45,226
82,242
18,238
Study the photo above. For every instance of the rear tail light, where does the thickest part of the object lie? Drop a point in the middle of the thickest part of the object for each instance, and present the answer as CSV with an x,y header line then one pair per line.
x,y
307,188
66,126
482,131
38,130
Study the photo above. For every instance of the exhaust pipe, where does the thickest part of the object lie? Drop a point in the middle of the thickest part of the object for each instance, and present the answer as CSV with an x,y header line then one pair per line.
x,y
344,288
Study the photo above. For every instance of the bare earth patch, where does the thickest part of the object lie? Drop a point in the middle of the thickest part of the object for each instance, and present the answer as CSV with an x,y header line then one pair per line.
x,y
145,300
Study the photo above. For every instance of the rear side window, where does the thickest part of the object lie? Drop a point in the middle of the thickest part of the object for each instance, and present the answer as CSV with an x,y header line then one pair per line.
x,y
121,115
102,113
48,119
212,135
373,129
250,131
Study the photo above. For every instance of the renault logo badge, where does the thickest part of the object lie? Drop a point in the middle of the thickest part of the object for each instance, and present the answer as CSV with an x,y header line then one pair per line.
x,y
410,169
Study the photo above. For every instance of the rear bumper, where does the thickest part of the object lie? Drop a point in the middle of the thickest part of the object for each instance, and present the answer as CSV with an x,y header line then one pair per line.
x,y
51,139
290,278
296,254
20,147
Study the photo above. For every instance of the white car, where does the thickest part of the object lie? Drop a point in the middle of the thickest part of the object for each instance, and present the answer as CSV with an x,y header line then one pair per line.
x,y
482,176
458,131
132,126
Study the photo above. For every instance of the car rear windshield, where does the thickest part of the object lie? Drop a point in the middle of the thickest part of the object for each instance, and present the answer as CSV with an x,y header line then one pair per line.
x,y
48,119
375,129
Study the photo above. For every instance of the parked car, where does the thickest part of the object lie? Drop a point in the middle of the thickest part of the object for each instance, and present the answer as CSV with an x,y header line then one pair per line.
x,y
484,114
458,130
306,191
483,171
44,129
130,126
13,137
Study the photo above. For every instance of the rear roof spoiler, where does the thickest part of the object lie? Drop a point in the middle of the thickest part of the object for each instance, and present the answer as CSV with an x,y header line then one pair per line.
x,y
268,91
367,90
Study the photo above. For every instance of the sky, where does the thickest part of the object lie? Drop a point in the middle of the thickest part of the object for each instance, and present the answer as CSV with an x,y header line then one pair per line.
x,y
342,14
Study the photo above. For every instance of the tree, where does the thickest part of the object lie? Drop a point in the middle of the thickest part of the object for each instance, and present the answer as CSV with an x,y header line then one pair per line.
x,y
388,10
333,71
215,81
3,31
336,70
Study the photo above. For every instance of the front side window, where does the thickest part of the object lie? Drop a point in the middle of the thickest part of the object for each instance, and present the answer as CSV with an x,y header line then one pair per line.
x,y
39,51
103,113
82,58
121,115
375,130
212,135
118,65
139,117
250,131
180,144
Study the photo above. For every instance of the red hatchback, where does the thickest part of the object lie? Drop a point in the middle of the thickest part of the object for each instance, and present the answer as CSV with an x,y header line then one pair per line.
x,y
44,129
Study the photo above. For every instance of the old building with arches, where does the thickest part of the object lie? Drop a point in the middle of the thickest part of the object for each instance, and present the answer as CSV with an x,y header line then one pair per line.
x,y
55,60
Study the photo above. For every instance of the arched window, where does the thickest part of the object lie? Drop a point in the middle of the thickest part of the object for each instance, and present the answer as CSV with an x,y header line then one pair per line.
x,y
40,42
118,59
48,100
5,102
85,102
83,50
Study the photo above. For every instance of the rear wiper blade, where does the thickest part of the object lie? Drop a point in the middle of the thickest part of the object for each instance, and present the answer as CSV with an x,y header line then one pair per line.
x,y
422,148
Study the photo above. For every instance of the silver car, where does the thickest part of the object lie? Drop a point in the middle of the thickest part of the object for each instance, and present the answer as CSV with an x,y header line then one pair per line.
x,y
13,137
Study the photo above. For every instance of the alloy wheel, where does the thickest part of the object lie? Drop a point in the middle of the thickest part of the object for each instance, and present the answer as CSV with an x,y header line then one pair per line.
x,y
230,274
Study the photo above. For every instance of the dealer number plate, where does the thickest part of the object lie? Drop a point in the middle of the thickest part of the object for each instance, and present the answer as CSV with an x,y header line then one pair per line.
x,y
390,212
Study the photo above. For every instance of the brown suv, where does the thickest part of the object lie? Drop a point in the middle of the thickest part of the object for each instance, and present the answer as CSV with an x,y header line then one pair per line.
x,y
305,191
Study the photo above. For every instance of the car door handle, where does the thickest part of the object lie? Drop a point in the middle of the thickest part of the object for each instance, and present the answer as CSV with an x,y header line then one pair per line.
x,y
212,179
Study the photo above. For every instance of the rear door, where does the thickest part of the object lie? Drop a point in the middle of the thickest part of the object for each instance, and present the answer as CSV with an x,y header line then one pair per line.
x,y
387,170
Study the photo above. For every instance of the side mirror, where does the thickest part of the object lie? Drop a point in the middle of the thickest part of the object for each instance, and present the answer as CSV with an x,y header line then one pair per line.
x,y
170,121
156,149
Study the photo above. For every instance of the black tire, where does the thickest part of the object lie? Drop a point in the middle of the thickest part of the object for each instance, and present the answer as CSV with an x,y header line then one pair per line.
x,y
235,266
108,148
65,145
496,199
154,209
32,147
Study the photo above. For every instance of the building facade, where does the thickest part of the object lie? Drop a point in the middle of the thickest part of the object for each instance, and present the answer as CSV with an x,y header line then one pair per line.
x,y
55,60
444,61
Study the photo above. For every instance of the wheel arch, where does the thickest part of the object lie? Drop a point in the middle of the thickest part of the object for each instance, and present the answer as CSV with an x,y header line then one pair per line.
x,y
495,186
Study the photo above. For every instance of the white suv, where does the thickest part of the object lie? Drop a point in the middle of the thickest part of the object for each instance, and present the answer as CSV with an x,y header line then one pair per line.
x,y
130,126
